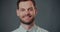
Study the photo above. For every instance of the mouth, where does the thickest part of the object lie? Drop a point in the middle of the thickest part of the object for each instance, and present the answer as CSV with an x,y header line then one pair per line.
x,y
27,17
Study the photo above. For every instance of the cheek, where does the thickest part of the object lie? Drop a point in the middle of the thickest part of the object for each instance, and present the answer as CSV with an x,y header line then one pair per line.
x,y
20,14
33,13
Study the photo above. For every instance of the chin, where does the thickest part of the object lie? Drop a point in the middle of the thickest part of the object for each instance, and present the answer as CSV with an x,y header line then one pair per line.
x,y
27,20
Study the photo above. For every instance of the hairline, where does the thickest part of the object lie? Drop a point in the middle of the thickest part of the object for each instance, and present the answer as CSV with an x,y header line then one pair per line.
x,y
34,4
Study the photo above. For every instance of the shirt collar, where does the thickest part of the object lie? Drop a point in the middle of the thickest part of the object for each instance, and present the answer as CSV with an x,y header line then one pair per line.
x,y
32,29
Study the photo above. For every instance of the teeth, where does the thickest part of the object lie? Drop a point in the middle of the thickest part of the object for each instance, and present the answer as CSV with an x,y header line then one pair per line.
x,y
27,16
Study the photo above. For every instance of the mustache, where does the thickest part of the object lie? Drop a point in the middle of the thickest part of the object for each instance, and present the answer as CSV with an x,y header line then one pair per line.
x,y
27,15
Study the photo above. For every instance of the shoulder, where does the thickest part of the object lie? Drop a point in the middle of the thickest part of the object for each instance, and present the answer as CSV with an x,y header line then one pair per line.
x,y
39,29
17,30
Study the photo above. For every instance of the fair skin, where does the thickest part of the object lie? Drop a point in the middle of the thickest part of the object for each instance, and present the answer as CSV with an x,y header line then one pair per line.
x,y
26,13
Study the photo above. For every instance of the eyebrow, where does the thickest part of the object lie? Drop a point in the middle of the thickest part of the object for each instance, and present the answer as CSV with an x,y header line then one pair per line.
x,y
28,8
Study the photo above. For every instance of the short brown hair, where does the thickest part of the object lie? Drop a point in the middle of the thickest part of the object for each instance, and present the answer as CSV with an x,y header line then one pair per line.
x,y
25,0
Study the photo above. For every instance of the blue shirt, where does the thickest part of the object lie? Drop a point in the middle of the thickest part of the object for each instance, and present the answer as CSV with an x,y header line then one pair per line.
x,y
33,29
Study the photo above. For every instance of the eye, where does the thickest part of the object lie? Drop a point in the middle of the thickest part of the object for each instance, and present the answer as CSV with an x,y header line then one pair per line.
x,y
22,9
30,9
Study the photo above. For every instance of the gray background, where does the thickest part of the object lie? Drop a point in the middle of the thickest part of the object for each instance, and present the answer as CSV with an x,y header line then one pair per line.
x,y
48,16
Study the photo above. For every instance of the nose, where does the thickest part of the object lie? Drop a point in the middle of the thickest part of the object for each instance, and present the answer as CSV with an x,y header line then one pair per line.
x,y
27,12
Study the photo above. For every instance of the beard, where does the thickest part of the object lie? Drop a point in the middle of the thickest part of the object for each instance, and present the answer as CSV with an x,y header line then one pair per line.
x,y
29,22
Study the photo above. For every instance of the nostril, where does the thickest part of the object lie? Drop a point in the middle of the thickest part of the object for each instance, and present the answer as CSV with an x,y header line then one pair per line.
x,y
27,12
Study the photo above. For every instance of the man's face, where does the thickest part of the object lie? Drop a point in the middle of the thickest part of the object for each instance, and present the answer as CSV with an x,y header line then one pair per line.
x,y
26,12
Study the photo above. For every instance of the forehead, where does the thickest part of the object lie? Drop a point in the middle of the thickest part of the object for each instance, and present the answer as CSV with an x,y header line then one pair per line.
x,y
26,4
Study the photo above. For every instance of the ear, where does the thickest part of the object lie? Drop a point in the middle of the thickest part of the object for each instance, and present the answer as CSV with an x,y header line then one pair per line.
x,y
17,11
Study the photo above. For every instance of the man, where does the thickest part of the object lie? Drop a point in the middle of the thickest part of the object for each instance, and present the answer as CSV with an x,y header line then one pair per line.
x,y
26,11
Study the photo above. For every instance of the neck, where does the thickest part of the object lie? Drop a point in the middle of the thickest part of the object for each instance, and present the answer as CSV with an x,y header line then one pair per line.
x,y
27,27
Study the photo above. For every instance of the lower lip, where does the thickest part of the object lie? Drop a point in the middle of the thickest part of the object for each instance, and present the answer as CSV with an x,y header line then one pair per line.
x,y
27,17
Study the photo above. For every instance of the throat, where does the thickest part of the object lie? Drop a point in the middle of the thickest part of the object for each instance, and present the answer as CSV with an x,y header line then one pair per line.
x,y
27,27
